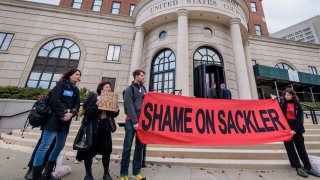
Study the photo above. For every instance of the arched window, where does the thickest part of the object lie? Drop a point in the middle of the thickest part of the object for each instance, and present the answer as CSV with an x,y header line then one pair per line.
x,y
163,72
207,55
284,66
52,60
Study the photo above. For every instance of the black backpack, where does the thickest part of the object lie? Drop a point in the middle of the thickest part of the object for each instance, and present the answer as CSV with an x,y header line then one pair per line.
x,y
39,113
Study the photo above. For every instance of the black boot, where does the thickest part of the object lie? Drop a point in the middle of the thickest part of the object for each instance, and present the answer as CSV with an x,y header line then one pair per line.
x,y
36,172
106,176
29,173
106,162
88,177
46,173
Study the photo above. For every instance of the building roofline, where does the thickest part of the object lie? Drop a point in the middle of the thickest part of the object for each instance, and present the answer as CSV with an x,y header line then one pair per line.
x,y
65,10
284,42
297,24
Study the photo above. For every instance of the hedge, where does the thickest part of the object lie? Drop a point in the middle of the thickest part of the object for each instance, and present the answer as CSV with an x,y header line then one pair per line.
x,y
13,92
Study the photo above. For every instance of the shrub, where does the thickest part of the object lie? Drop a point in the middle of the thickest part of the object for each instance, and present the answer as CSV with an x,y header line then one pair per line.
x,y
13,92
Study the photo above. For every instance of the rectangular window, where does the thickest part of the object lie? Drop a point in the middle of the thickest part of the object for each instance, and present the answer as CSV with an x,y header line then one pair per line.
x,y
313,70
77,4
254,62
253,7
132,6
5,40
97,5
112,81
115,8
258,30
113,53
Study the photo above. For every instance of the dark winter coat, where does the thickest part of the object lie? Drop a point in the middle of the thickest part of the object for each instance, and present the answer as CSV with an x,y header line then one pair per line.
x,y
225,94
296,125
101,136
65,95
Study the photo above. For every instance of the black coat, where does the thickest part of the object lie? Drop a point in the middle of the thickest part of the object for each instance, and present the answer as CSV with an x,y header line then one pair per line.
x,y
65,95
101,136
225,94
296,125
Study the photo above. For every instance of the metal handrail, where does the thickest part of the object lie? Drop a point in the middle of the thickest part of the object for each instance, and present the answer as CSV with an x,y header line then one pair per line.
x,y
177,90
15,114
312,112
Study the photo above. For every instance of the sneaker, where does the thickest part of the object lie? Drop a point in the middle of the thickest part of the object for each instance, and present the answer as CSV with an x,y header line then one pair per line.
x,y
77,162
138,177
302,172
124,178
313,172
95,160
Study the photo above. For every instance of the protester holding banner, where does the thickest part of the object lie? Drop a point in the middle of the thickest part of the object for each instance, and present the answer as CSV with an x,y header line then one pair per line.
x,y
101,136
133,98
293,112
64,103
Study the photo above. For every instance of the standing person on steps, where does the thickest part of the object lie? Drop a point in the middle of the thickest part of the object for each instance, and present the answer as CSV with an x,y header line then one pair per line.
x,y
101,136
133,99
292,111
64,102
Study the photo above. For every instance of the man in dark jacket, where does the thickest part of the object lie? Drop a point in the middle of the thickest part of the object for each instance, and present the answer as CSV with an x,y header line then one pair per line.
x,y
133,98
212,93
224,92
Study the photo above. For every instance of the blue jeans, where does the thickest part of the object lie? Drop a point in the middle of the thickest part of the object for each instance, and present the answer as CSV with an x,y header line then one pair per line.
x,y
47,138
130,132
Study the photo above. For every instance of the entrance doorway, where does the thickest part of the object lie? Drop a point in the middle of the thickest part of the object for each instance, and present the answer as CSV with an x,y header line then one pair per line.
x,y
208,69
204,77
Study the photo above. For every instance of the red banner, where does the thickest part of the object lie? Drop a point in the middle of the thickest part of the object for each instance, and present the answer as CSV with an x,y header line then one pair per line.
x,y
178,120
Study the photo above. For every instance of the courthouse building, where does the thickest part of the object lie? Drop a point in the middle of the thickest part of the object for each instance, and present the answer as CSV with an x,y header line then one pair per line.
x,y
182,45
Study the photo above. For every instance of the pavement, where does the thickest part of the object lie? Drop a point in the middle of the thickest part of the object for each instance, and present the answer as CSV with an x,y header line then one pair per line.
x,y
14,159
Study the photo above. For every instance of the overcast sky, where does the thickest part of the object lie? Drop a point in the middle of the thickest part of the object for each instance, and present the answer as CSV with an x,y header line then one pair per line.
x,y
279,13
284,13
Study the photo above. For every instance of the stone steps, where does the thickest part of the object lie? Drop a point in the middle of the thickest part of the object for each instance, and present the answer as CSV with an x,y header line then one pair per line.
x,y
264,156
187,152
116,140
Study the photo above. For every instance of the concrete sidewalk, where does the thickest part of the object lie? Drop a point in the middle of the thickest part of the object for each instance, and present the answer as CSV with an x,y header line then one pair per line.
x,y
13,165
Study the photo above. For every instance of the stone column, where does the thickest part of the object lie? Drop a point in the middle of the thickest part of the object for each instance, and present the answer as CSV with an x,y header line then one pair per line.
x,y
182,63
252,79
239,61
136,57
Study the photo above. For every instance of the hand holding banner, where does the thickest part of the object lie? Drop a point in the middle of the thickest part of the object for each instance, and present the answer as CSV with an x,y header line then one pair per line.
x,y
177,120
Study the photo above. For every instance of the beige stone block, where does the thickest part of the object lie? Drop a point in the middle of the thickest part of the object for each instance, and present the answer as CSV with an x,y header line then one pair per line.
x,y
20,58
11,74
109,73
9,82
91,79
91,72
12,66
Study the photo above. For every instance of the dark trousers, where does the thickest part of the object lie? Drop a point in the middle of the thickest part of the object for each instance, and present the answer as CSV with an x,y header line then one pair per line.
x,y
30,164
297,144
130,133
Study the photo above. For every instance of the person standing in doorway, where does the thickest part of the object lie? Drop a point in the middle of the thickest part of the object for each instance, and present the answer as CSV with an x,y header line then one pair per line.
x,y
133,98
212,93
224,92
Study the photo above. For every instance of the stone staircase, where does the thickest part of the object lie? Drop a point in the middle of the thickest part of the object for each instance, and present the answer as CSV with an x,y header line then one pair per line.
x,y
259,157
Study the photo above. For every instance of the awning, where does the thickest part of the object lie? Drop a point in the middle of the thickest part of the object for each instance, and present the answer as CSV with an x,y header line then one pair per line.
x,y
271,74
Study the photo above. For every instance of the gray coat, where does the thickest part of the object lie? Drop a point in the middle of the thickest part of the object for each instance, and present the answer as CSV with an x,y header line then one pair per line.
x,y
133,101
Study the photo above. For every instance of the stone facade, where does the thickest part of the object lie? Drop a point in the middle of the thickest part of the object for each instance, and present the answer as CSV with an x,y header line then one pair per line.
x,y
33,25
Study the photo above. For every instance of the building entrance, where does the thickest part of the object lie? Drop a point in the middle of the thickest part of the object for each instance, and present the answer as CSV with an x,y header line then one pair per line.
x,y
204,77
